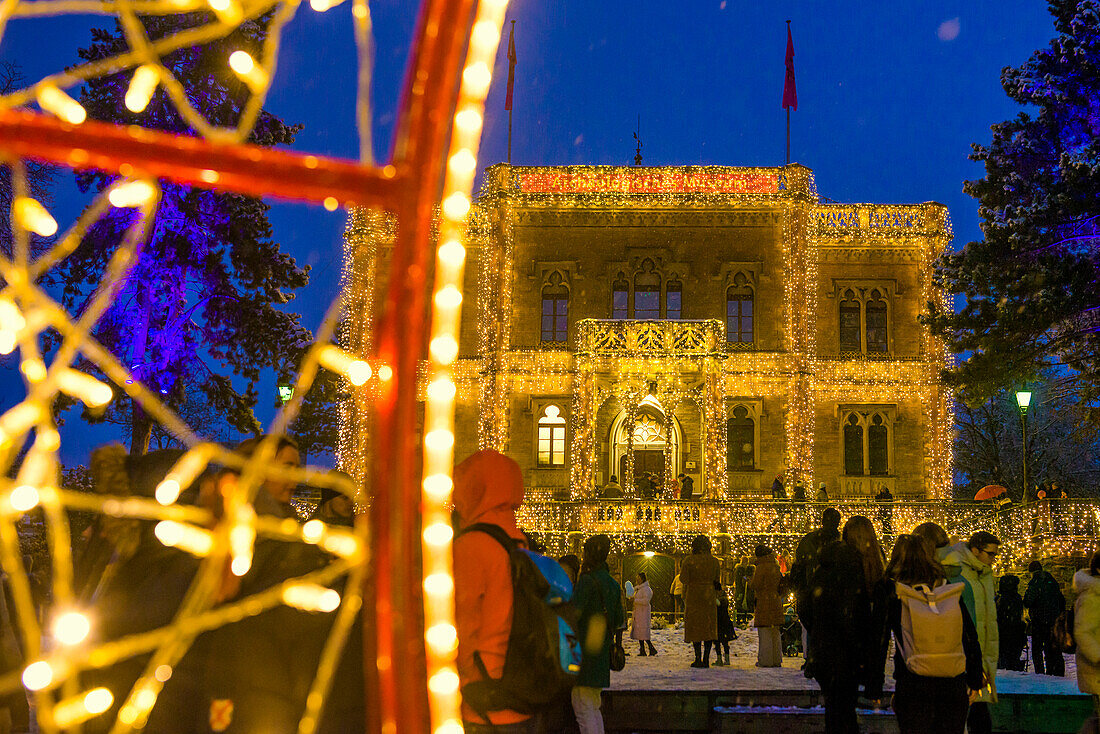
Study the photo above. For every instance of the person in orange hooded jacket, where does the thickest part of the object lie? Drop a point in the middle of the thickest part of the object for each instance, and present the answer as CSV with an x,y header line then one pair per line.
x,y
488,489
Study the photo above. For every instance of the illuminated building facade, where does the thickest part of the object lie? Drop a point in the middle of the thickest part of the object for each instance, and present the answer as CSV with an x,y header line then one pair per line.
x,y
720,323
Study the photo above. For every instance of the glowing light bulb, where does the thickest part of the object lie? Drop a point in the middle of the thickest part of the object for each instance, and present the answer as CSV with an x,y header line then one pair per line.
x,y
438,534
37,675
313,531
439,440
439,584
438,486
476,78
469,121
355,370
452,253
449,727
140,92
23,498
442,637
11,318
60,105
167,491
33,217
19,420
71,628
311,597
385,372
448,297
85,388
456,206
462,163
441,389
247,69
444,349
228,11
132,194
444,682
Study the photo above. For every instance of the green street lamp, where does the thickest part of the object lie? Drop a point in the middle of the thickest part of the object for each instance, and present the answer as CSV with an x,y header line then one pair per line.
x,y
286,392
1023,400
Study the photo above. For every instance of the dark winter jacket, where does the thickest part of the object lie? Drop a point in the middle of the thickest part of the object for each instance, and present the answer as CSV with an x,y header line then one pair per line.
x,y
597,596
725,623
873,674
1010,623
806,562
839,616
1044,599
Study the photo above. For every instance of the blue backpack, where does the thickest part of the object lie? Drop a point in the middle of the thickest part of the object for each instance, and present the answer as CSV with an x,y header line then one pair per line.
x,y
544,653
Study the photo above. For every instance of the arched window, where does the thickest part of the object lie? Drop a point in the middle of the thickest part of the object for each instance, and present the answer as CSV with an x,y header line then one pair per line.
x,y
647,292
878,446
876,323
551,446
620,298
849,323
555,310
853,446
674,292
740,441
739,311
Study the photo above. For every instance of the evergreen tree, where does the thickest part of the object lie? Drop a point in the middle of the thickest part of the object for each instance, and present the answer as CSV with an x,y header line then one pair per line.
x,y
1030,283
200,317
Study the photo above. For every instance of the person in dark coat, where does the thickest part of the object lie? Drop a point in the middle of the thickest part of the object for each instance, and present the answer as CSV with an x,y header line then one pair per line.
x,y
687,486
726,629
859,533
923,704
698,572
1045,602
806,556
838,620
598,598
1010,623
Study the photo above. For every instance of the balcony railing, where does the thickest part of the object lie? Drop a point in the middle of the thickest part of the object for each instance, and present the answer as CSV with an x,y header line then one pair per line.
x,y
623,337
1041,529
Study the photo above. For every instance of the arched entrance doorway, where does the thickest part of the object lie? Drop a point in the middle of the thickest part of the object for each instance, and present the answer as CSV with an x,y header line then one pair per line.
x,y
657,439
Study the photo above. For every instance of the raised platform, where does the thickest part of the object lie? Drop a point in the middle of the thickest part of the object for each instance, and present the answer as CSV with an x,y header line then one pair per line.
x,y
664,694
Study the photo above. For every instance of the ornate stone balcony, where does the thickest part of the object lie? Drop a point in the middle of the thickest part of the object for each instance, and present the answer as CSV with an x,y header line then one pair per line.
x,y
642,338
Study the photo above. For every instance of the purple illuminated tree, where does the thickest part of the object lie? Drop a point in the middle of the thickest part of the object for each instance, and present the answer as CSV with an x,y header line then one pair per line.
x,y
1030,284
201,317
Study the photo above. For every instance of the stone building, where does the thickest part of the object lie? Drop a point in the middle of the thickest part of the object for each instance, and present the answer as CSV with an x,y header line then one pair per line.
x,y
719,323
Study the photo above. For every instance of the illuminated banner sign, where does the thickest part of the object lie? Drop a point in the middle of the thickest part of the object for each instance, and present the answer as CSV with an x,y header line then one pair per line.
x,y
648,182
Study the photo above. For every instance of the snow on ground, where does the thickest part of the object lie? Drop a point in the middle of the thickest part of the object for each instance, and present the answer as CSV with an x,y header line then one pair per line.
x,y
670,670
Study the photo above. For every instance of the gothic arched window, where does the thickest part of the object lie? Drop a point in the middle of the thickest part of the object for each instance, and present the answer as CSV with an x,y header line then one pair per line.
x,y
740,441
876,323
853,446
674,295
555,310
878,444
739,311
647,292
620,298
849,323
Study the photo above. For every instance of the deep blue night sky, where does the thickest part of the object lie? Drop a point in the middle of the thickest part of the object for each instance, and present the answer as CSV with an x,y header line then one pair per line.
x,y
890,97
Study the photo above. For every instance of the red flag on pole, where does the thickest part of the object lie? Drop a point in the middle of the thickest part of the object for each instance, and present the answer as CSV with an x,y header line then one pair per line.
x,y
790,96
511,66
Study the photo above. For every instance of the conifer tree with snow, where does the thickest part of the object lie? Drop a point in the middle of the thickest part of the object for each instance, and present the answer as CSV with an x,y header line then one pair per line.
x,y
204,312
1030,284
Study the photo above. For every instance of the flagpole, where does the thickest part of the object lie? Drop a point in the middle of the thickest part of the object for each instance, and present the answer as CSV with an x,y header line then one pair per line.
x,y
788,111
511,62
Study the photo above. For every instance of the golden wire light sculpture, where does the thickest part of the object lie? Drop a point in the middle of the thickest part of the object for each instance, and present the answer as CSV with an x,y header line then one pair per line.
x,y
409,663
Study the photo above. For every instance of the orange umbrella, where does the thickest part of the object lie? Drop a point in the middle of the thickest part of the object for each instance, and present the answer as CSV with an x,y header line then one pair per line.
x,y
989,492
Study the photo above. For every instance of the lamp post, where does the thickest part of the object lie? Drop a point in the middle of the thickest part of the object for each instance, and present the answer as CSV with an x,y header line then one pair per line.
x,y
1023,400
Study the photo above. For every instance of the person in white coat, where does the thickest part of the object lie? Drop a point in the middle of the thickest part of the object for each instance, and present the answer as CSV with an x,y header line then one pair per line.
x,y
1086,629
641,623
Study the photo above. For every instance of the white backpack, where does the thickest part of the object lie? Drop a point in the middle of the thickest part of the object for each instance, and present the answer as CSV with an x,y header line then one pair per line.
x,y
931,630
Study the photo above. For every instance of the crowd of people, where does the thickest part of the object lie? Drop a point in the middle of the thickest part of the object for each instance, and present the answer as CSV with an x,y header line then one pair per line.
x,y
934,597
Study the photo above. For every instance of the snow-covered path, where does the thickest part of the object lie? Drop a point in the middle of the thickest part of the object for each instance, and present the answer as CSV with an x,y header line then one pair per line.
x,y
670,670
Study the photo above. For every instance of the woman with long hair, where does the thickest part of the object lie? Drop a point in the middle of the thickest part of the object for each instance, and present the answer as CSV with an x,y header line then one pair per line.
x,y
925,703
860,534
1086,629
598,598
839,623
